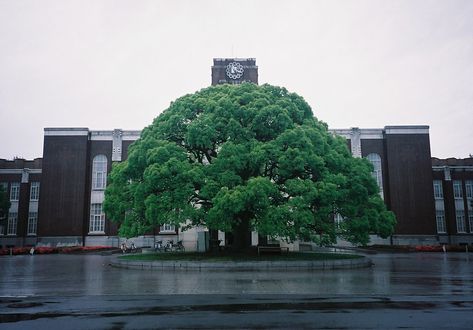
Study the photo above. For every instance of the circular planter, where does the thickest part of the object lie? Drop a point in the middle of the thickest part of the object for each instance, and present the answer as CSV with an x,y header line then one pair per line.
x,y
243,265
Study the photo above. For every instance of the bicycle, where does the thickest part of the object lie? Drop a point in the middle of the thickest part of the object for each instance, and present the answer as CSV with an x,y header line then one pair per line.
x,y
174,247
158,246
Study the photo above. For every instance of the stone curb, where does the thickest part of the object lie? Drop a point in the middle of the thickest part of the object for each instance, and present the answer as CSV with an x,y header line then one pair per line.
x,y
244,265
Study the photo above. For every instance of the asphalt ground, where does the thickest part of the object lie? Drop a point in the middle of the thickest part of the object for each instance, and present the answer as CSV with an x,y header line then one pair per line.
x,y
401,291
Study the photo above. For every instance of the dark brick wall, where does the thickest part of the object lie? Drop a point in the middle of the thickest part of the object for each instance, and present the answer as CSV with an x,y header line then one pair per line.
x,y
23,207
410,183
20,163
63,186
125,146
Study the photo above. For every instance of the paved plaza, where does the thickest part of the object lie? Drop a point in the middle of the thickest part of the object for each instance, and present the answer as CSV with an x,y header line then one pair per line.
x,y
414,290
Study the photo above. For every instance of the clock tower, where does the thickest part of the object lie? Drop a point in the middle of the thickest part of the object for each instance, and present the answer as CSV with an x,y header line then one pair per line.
x,y
234,71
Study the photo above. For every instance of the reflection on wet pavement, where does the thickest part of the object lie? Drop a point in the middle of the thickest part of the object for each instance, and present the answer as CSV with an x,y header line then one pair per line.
x,y
392,274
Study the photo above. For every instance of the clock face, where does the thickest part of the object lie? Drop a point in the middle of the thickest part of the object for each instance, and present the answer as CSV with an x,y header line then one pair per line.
x,y
234,70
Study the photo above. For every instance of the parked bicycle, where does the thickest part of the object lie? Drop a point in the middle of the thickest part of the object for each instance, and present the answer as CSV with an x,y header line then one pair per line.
x,y
180,246
158,246
126,249
174,247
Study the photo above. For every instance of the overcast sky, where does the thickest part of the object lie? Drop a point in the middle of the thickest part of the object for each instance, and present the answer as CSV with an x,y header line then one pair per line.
x,y
118,64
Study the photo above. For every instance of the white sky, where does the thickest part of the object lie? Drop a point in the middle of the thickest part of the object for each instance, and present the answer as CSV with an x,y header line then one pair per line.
x,y
118,64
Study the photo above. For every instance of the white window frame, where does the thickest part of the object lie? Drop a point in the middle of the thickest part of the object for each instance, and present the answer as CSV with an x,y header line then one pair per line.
x,y
457,189
34,191
32,223
377,173
440,220
469,189
99,172
167,228
470,220
12,223
97,219
14,192
438,191
460,220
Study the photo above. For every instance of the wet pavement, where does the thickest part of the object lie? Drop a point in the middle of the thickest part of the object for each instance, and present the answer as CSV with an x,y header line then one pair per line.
x,y
413,290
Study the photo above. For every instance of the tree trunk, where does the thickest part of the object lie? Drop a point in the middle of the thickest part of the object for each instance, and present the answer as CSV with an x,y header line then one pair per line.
x,y
214,243
242,236
262,240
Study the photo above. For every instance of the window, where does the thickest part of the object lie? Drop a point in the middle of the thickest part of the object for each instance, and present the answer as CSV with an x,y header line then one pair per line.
x,y
375,160
469,189
12,223
438,192
440,218
457,189
2,230
167,228
34,191
460,216
97,219
470,220
15,191
32,223
99,172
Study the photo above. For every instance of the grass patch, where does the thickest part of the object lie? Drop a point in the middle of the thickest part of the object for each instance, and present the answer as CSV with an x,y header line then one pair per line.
x,y
196,256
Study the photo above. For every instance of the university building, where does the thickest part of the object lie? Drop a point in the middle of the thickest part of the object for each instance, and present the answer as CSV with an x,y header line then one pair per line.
x,y
57,200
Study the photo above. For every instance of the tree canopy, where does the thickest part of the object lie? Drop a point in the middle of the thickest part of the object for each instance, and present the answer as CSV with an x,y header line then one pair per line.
x,y
246,157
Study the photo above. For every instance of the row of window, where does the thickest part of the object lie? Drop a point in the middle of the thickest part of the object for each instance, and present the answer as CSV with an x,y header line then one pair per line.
x,y
15,191
12,224
97,221
459,206
99,181
457,189
97,217
460,221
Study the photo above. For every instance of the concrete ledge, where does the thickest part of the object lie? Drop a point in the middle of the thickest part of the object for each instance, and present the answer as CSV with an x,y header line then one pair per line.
x,y
243,265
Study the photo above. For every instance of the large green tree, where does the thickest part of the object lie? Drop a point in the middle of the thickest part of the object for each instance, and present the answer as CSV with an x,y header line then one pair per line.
x,y
245,157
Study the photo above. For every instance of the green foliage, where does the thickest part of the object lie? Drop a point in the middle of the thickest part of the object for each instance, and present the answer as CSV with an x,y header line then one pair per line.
x,y
235,153
4,203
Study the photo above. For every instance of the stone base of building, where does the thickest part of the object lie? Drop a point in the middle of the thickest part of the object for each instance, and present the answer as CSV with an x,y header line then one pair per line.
x,y
189,239
59,241
456,239
414,240
6,242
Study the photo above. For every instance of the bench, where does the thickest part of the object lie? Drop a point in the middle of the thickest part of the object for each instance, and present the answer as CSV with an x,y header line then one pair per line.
x,y
272,249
